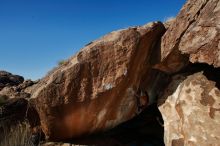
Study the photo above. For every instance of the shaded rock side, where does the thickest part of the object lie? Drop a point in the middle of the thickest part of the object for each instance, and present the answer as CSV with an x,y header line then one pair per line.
x,y
8,79
16,91
192,113
13,86
101,86
194,32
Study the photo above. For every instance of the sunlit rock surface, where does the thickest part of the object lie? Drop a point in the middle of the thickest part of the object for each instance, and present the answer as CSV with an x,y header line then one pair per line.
x,y
192,113
101,86
195,33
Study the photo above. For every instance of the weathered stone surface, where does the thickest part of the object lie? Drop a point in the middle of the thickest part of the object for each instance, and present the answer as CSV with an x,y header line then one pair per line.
x,y
195,31
99,87
170,88
144,129
25,84
14,107
173,63
8,79
12,92
192,114
13,86
168,22
16,91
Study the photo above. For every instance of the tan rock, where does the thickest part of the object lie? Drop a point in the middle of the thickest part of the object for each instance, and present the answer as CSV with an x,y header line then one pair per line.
x,y
17,91
13,86
12,92
168,22
7,79
196,32
192,113
100,86
202,39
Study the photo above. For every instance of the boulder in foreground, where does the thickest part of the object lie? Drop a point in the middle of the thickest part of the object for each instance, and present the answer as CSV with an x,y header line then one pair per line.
x,y
103,85
192,113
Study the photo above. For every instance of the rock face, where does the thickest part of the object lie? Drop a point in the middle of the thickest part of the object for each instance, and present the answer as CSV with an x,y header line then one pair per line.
x,y
116,77
192,114
16,91
195,32
8,79
142,130
13,86
101,86
14,108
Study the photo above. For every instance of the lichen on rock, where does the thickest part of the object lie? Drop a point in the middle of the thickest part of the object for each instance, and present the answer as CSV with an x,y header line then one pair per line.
x,y
192,113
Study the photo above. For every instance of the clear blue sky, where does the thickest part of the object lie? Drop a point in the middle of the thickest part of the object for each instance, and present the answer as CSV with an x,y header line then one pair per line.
x,y
36,34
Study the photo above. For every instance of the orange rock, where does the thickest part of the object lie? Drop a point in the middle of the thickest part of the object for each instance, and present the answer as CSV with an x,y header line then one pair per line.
x,y
95,89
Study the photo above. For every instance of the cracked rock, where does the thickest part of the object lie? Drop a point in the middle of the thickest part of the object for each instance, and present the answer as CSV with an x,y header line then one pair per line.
x,y
100,87
195,32
192,113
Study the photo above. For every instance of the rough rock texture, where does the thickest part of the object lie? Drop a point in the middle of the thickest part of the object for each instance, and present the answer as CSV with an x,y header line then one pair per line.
x,y
13,86
101,86
12,92
195,31
168,22
143,130
14,108
8,79
171,87
116,78
16,91
11,113
192,114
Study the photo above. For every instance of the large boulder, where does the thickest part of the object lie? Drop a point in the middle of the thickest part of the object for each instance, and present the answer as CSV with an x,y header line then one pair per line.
x,y
194,32
192,113
103,85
